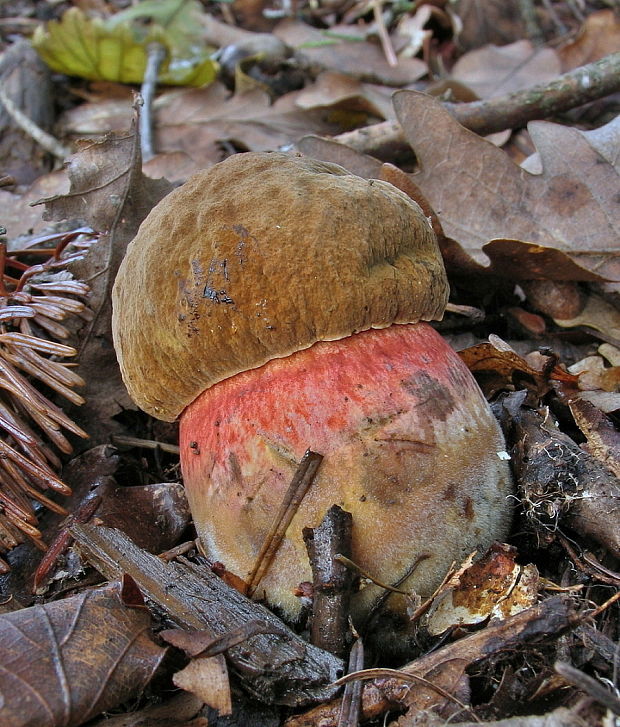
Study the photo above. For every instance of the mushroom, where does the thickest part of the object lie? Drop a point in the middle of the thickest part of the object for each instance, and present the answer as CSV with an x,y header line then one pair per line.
x,y
277,303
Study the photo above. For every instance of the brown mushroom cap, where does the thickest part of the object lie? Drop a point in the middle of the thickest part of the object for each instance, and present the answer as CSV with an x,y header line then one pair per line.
x,y
261,256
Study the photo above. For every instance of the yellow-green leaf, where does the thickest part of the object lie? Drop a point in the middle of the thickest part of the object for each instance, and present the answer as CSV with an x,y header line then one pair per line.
x,y
93,49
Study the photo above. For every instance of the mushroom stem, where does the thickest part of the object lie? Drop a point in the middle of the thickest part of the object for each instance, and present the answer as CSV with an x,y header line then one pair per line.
x,y
409,445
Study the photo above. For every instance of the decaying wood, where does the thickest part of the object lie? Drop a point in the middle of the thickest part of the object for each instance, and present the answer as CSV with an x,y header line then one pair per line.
x,y
561,717
593,687
549,617
572,89
331,580
558,480
352,697
277,668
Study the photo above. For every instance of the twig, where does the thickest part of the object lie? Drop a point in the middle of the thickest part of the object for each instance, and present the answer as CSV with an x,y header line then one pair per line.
x,y
590,686
155,57
352,697
47,141
384,37
575,88
302,479
380,673
124,441
331,580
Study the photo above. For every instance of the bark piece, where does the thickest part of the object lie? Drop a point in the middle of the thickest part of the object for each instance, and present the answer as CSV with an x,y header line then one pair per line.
x,y
276,668
559,480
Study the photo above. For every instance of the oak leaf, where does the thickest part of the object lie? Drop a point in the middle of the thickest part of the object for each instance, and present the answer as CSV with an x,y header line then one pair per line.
x,y
563,224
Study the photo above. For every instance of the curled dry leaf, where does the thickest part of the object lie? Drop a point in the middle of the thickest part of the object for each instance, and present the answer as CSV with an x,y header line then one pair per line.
x,y
495,586
497,70
598,36
110,191
496,366
207,678
67,661
561,224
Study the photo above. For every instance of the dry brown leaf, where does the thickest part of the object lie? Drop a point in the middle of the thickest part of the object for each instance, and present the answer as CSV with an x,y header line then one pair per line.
x,y
207,678
599,36
195,121
488,21
605,139
336,89
109,191
563,224
355,57
598,314
449,676
175,712
19,217
496,366
67,661
498,70
593,374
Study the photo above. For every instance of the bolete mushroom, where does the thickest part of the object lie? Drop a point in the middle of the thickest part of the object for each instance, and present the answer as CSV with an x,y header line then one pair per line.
x,y
276,303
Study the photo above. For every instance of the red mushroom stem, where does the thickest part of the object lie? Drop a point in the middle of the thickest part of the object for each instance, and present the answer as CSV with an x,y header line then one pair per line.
x,y
409,446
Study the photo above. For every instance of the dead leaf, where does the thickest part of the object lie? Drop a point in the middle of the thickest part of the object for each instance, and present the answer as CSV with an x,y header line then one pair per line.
x,y
499,70
333,89
67,661
195,121
353,55
19,217
449,676
561,225
496,366
109,191
207,678
599,315
593,374
495,586
488,21
605,139
598,36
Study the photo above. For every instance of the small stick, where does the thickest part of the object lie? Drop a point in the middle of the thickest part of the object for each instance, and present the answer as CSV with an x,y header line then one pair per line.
x,y
352,697
384,36
575,88
155,57
300,484
331,580
590,686
124,441
45,140
63,540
